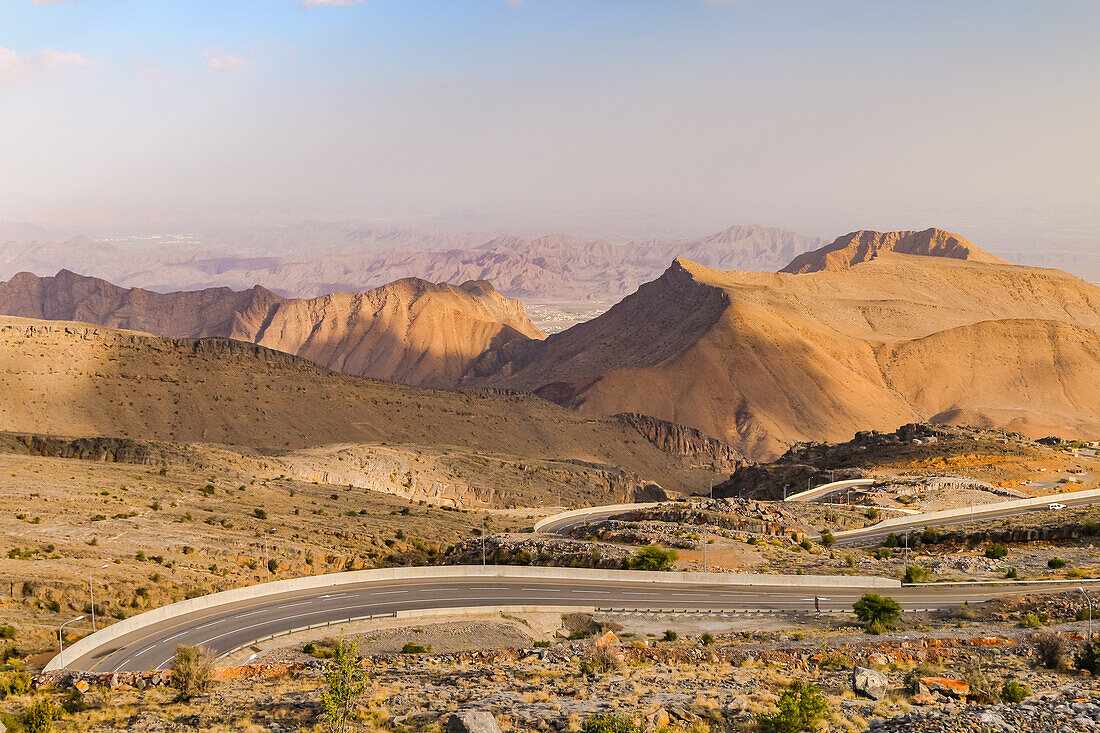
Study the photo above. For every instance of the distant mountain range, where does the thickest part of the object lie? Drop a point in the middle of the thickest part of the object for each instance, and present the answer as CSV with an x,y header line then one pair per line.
x,y
873,330
314,259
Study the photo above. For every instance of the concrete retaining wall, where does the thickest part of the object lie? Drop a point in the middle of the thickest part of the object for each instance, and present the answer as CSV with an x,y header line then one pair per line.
x,y
332,580
931,519
824,489
593,510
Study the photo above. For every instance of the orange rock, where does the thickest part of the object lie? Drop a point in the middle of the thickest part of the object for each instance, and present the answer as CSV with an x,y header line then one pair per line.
x,y
606,640
947,686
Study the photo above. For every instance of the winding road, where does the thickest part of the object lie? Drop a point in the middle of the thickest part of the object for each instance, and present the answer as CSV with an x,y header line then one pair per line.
x,y
230,626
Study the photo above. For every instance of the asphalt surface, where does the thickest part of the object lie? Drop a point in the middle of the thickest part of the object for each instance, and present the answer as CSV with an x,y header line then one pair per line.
x,y
872,534
233,625
563,526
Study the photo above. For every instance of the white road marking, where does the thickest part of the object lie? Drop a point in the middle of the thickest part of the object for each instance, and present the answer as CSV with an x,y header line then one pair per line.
x,y
388,592
292,605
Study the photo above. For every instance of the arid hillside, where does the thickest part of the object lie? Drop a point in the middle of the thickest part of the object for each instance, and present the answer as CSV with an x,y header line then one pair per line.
x,y
764,360
861,246
473,447
409,331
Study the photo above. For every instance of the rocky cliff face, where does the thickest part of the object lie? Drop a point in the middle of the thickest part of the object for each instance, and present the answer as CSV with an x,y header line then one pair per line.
x,y
104,450
690,443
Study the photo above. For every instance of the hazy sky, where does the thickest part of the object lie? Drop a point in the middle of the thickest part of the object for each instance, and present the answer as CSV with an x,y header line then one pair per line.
x,y
770,111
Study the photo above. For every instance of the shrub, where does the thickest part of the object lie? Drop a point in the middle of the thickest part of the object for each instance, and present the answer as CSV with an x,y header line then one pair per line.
x,y
872,608
1012,574
883,553
806,545
1052,650
801,708
1088,658
930,536
996,551
915,574
14,683
652,557
670,635
74,702
1031,621
7,631
39,717
1012,691
1056,563
982,689
259,513
892,541
827,540
345,680
610,723
192,670
850,561
414,648
707,639
542,644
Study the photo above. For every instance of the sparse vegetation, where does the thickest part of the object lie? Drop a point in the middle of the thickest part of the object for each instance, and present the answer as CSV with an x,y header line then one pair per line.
x,y
800,708
877,612
192,671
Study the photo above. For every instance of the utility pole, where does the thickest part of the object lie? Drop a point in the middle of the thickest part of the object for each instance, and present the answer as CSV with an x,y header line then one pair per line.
x,y
483,541
1089,600
91,595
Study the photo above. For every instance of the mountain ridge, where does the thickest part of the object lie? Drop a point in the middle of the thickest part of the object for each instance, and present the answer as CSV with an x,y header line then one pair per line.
x,y
409,331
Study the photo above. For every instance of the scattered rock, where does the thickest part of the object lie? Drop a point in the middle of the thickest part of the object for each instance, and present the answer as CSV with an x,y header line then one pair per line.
x,y
473,721
868,682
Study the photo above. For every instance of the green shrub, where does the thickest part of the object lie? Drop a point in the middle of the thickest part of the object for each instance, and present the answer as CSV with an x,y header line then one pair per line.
x,y
1056,563
806,545
872,608
827,539
1012,574
670,635
610,723
652,557
892,541
39,717
14,683
1012,691
996,551
414,648
542,644
7,631
259,513
1031,621
915,574
801,708
707,639
930,536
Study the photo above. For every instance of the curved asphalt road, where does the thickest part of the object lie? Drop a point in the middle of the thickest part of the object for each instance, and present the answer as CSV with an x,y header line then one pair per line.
x,y
233,625
871,534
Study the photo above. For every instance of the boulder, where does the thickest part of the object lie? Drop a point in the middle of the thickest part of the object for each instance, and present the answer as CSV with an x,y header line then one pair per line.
x,y
947,686
659,719
869,683
607,640
473,721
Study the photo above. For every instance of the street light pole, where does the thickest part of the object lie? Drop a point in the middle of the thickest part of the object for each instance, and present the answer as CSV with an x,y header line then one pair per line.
x,y
1089,601
61,637
483,541
91,595
267,559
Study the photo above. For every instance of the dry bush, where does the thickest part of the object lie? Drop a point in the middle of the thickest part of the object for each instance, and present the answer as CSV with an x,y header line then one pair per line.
x,y
192,670
1053,652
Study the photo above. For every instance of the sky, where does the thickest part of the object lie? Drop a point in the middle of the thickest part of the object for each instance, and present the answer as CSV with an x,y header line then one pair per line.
x,y
810,114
